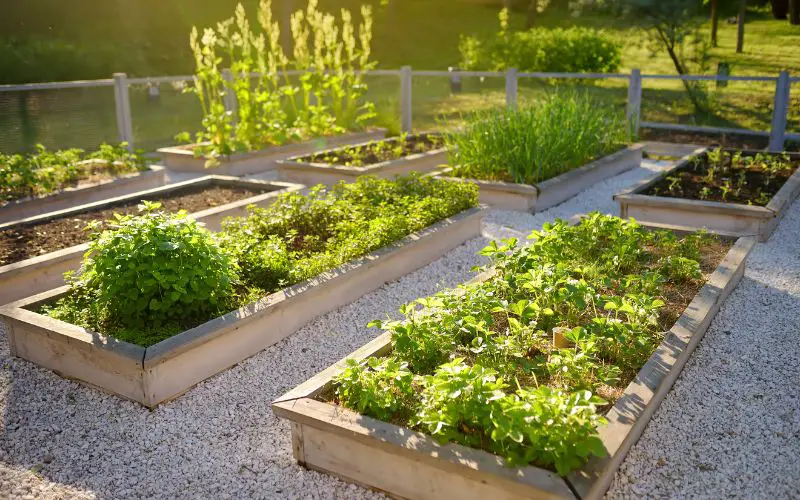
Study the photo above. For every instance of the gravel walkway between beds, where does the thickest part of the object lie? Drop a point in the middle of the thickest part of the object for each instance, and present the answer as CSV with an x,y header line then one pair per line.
x,y
60,439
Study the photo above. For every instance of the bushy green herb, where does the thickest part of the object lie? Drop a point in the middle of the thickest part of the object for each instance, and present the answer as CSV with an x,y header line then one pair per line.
x,y
272,108
45,172
479,364
152,271
300,236
554,50
154,275
532,144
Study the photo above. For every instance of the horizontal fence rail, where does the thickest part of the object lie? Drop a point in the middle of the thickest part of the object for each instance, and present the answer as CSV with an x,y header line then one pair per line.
x,y
777,133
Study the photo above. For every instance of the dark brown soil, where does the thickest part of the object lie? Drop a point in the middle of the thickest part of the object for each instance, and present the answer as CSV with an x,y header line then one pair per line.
x,y
377,151
30,241
705,139
731,182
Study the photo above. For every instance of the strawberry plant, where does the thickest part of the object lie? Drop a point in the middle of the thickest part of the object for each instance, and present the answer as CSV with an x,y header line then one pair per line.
x,y
523,363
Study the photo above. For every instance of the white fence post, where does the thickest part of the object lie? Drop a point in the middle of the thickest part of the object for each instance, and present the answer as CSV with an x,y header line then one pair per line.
x,y
779,111
634,107
405,98
229,99
511,88
123,108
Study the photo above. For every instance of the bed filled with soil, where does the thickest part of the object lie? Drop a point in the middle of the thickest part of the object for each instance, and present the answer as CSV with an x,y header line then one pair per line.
x,y
25,242
376,152
751,180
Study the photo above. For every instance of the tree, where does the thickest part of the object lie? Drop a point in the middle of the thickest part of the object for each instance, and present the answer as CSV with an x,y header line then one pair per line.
x,y
714,21
671,25
794,12
780,8
740,27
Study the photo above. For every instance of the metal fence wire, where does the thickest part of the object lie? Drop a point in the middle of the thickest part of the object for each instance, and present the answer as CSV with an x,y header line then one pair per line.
x,y
149,112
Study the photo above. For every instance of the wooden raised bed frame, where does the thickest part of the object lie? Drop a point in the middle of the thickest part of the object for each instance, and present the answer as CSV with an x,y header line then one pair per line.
x,y
45,272
70,197
731,219
182,158
323,173
166,370
409,464
528,198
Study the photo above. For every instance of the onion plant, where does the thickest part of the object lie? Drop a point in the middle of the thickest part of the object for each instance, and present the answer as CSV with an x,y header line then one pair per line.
x,y
560,132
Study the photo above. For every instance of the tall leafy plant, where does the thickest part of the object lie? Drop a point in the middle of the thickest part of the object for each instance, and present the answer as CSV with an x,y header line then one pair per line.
x,y
270,106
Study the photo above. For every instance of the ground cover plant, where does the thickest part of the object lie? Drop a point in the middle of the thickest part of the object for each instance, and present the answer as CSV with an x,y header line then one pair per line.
x,y
569,50
525,363
558,133
272,108
45,172
377,151
296,238
728,176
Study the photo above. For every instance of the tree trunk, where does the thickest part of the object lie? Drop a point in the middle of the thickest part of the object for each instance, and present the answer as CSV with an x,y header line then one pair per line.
x,y
740,31
714,21
794,12
779,8
694,95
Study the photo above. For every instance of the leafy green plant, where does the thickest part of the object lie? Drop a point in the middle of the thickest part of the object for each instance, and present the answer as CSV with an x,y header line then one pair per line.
x,y
377,151
573,50
479,364
151,271
532,144
271,107
155,275
45,172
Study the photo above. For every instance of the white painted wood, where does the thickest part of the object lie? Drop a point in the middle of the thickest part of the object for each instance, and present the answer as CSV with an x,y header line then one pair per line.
x,y
70,197
311,174
171,367
183,159
406,97
511,88
633,109
780,110
45,272
408,464
123,109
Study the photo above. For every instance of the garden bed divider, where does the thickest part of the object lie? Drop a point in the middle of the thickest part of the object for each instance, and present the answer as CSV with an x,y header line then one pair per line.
x,y
183,159
310,174
409,464
45,272
549,193
169,368
70,197
733,219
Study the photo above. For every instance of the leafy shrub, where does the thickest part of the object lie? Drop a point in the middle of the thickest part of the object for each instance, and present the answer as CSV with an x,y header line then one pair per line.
x,y
553,50
155,275
151,271
477,365
561,132
272,109
300,236
45,172
29,60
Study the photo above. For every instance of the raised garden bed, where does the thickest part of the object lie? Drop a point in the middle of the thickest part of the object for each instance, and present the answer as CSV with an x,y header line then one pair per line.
x,y
546,194
719,191
386,159
35,252
406,463
183,158
83,193
159,372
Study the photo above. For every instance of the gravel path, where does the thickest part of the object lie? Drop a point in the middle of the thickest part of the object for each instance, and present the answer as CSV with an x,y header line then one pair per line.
x,y
60,439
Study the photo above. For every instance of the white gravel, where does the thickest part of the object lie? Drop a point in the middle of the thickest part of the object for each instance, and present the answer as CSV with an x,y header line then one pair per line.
x,y
61,439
